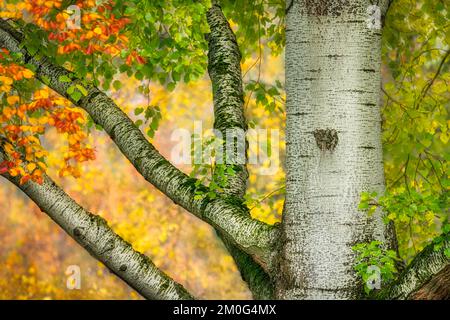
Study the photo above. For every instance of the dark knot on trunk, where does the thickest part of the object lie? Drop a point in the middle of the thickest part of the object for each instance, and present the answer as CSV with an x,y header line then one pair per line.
x,y
326,139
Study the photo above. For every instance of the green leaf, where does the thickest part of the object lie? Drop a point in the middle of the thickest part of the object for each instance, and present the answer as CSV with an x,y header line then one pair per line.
x,y
64,78
76,95
150,133
117,84
171,86
70,90
447,252
138,111
82,90
45,80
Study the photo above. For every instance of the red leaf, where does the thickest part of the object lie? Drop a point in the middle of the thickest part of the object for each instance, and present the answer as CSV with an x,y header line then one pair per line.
x,y
3,170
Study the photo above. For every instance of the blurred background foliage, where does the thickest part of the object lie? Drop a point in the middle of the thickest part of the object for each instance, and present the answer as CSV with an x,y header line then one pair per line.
x,y
416,87
157,61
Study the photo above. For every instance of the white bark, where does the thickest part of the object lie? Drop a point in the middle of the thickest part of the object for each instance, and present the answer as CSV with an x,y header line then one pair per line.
x,y
332,84
231,218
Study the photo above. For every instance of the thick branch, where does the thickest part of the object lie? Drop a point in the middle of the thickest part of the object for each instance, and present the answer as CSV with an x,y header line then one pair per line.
x,y
224,70
253,236
258,280
427,275
93,233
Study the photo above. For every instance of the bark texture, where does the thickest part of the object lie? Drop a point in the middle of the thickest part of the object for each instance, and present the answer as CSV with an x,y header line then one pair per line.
x,y
224,68
438,288
93,233
333,147
253,236
258,280
426,277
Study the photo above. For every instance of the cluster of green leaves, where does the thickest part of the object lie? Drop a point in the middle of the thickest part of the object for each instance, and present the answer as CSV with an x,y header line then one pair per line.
x,y
208,171
216,181
170,35
414,213
257,23
416,60
441,239
406,205
268,96
370,255
75,91
151,116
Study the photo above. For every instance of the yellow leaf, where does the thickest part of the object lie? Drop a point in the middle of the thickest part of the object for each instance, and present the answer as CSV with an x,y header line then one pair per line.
x,y
12,100
31,166
444,137
27,74
37,173
41,94
42,165
6,80
8,112
40,154
8,148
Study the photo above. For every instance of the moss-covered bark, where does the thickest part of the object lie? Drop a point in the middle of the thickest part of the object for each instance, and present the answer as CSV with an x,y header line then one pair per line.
x,y
224,69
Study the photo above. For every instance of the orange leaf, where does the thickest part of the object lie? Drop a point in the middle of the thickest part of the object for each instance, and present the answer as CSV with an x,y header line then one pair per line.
x,y
12,100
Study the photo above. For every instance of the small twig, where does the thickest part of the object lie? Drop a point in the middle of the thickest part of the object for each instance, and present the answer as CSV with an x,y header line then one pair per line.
x,y
267,196
427,87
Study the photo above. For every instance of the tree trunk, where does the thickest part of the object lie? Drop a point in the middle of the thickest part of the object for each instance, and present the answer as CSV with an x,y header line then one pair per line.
x,y
333,138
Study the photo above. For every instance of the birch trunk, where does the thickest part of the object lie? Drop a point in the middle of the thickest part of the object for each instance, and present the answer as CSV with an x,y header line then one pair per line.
x,y
333,146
